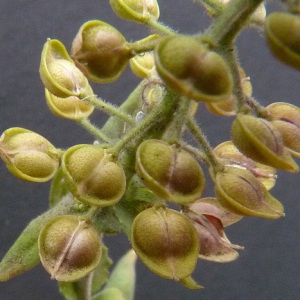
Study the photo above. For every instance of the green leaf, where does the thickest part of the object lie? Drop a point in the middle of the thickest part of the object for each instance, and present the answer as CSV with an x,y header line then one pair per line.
x,y
23,255
110,294
123,275
59,188
101,273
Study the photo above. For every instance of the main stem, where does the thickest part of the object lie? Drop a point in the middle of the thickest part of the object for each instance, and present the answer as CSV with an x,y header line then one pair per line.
x,y
231,21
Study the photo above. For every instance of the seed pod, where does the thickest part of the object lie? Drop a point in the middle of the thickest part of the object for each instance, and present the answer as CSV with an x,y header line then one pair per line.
x,y
171,173
95,176
100,51
69,248
136,10
233,157
143,65
282,31
228,106
190,69
70,107
59,73
239,191
166,241
28,155
286,118
261,141
213,243
211,207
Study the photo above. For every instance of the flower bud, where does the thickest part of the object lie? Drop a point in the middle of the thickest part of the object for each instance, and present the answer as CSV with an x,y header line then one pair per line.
x,y
282,31
239,191
171,173
136,10
59,73
70,107
69,248
166,241
100,51
28,155
286,118
95,176
233,157
190,69
261,141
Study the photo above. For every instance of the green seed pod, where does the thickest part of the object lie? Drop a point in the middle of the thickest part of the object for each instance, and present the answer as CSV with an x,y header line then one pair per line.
x,y
190,69
239,191
28,155
95,176
70,107
166,241
171,173
286,118
282,31
231,156
140,11
261,141
69,248
59,73
100,51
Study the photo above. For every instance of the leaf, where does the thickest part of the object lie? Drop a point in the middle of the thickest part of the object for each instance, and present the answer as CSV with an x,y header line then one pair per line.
x,y
109,294
59,188
23,255
123,277
101,273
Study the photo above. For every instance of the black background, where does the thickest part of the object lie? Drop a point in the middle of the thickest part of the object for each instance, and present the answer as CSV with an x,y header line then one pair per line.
x,y
268,268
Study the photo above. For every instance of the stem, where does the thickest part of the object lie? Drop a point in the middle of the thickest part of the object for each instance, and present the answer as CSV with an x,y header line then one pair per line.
x,y
175,130
159,27
109,109
83,287
160,116
230,55
231,21
114,126
211,159
144,45
94,130
214,5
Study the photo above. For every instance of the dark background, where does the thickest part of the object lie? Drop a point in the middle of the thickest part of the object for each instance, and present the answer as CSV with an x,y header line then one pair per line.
x,y
268,268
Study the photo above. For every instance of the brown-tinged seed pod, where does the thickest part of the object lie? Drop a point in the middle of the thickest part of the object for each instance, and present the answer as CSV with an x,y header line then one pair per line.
x,y
260,140
286,117
69,248
100,51
95,176
28,155
166,241
282,31
191,69
171,173
239,191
